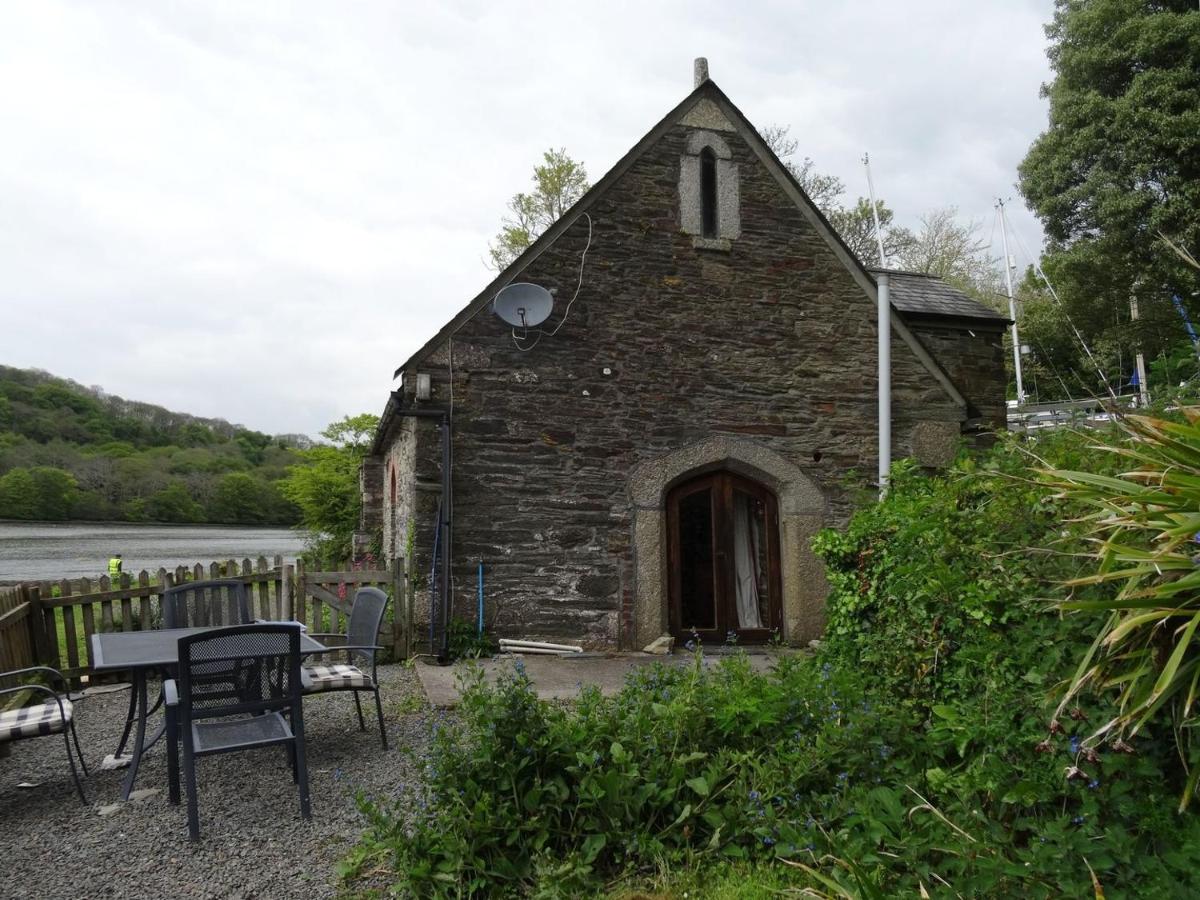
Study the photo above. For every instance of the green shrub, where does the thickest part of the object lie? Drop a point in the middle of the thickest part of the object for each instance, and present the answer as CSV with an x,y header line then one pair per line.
x,y
1144,525
910,754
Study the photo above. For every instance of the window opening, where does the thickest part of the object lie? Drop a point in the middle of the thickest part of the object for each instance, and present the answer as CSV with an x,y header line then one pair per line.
x,y
708,192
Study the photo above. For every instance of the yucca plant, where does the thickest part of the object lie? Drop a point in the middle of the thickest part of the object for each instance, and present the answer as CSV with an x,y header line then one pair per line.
x,y
1144,525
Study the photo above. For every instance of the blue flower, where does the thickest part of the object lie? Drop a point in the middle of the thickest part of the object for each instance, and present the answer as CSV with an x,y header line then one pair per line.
x,y
754,795
768,841
1078,820
1074,744
1094,783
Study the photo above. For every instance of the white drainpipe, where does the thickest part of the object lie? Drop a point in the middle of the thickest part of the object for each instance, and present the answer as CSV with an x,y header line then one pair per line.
x,y
884,327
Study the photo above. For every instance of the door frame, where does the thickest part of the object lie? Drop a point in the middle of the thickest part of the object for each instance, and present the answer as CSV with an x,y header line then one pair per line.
x,y
722,484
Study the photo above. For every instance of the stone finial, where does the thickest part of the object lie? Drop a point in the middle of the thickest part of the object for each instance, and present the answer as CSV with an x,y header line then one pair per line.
x,y
700,70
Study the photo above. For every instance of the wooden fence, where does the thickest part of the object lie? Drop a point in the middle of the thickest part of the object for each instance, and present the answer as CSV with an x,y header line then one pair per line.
x,y
52,623
16,640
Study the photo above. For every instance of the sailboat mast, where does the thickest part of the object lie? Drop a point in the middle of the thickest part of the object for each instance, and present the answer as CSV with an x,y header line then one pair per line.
x,y
874,210
1012,305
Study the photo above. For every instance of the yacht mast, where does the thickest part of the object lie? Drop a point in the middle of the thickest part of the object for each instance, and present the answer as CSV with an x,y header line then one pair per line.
x,y
1012,304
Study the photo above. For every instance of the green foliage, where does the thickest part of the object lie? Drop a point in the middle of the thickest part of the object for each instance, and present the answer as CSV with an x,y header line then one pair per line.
x,y
41,492
1145,526
324,486
910,755
1116,167
557,183
242,499
466,641
127,460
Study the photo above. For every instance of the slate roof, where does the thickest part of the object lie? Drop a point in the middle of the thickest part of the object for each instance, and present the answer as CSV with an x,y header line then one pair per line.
x,y
919,294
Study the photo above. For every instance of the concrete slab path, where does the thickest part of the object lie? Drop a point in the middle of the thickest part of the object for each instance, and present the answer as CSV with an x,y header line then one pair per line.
x,y
561,677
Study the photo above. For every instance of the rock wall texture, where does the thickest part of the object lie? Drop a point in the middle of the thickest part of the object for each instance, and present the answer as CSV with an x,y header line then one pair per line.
x,y
973,357
764,349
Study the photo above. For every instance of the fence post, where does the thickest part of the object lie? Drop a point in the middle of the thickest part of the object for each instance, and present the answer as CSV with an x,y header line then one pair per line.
x,y
285,592
300,598
37,624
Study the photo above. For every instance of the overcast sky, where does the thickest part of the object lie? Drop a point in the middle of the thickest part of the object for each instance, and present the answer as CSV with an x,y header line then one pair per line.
x,y
256,211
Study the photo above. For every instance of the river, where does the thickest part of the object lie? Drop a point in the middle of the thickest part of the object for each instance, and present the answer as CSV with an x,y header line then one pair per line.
x,y
36,551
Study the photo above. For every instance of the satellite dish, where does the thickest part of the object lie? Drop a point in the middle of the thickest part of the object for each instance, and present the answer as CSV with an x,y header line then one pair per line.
x,y
523,305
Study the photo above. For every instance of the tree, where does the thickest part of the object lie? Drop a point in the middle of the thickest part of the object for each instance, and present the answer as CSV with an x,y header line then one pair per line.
x,y
325,486
18,495
557,183
353,433
952,250
41,492
235,500
1119,165
856,226
823,190
173,504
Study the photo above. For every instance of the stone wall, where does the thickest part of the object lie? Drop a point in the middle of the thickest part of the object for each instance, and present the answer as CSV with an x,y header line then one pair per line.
x,y
371,489
973,357
766,349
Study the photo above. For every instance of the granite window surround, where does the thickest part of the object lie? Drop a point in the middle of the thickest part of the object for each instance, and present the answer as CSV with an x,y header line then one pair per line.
x,y
691,193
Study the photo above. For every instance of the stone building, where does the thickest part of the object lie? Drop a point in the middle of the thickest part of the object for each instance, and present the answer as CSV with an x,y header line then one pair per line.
x,y
656,456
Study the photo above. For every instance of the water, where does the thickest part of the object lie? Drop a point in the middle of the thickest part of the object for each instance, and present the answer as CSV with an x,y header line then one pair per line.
x,y
41,551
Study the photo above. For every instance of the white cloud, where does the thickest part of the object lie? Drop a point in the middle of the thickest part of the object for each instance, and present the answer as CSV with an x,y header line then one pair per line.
x,y
257,210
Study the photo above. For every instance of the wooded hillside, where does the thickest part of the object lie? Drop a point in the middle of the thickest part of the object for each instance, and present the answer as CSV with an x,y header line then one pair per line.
x,y
74,452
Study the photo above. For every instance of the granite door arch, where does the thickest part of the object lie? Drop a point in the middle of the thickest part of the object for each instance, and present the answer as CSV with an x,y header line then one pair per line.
x,y
723,559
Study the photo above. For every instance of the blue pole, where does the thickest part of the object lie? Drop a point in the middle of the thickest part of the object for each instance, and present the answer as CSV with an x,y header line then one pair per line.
x,y
1187,323
481,598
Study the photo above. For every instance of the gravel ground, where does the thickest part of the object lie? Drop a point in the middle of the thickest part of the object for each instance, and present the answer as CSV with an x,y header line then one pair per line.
x,y
253,842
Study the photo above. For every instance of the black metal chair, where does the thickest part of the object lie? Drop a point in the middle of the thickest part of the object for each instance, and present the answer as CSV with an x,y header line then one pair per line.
x,y
203,603
359,646
263,710
53,716
224,601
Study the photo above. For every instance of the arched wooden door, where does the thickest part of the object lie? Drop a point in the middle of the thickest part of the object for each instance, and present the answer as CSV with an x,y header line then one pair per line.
x,y
723,556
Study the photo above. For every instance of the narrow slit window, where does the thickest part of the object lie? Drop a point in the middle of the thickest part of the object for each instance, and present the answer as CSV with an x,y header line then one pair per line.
x,y
708,192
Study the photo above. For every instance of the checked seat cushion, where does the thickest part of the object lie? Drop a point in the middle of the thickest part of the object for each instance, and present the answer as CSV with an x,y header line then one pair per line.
x,y
33,721
338,677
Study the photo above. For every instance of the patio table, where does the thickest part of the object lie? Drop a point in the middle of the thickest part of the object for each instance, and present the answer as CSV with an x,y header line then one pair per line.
x,y
141,653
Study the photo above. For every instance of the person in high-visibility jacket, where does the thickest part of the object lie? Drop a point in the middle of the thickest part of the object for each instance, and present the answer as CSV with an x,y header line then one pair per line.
x,y
114,566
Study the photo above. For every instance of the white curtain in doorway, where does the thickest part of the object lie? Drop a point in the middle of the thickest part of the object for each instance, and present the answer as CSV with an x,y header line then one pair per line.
x,y
746,537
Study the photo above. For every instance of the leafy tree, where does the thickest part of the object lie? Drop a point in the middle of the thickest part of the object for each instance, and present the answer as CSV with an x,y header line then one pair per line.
x,y
173,504
823,190
951,249
1119,164
325,486
353,433
18,495
557,183
56,491
41,492
125,456
856,225
240,499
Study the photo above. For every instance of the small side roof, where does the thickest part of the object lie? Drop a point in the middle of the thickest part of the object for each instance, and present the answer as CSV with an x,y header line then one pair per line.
x,y
927,295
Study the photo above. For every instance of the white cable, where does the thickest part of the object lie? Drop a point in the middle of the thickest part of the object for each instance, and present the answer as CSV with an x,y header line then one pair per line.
x,y
579,286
